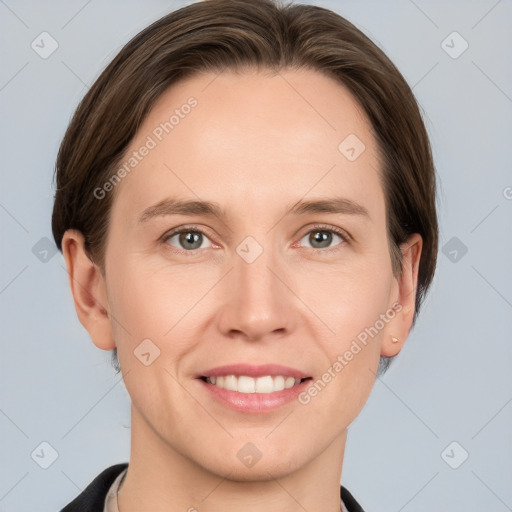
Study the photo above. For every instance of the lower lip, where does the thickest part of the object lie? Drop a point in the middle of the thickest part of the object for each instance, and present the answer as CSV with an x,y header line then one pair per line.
x,y
255,402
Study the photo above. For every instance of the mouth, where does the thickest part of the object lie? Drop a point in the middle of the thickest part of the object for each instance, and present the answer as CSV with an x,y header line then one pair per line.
x,y
254,389
246,384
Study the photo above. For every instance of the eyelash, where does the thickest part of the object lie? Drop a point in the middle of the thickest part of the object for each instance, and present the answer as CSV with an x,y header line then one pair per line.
x,y
317,227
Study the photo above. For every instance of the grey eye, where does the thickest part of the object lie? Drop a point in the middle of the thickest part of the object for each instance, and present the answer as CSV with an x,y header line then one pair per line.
x,y
320,238
188,239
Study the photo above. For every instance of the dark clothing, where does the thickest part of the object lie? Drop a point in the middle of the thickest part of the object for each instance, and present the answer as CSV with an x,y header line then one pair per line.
x,y
92,499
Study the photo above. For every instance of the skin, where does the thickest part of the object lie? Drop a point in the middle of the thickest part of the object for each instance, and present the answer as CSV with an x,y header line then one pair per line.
x,y
256,144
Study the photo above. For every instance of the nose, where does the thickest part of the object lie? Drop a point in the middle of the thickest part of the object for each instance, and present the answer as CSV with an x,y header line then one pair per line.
x,y
256,302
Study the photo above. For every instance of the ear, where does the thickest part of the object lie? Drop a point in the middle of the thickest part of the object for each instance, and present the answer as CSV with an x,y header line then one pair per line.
x,y
405,304
88,287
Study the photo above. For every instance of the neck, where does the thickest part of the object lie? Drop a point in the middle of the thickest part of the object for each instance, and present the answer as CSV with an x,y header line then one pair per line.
x,y
161,478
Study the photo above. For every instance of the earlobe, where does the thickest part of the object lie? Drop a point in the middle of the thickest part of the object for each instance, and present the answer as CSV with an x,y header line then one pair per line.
x,y
88,289
406,303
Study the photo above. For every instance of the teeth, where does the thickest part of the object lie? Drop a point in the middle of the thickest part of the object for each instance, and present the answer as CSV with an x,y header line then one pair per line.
x,y
245,384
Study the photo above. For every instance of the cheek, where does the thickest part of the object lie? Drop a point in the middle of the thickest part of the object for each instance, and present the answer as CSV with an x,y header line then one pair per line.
x,y
148,312
160,303
148,299
351,354
351,303
348,299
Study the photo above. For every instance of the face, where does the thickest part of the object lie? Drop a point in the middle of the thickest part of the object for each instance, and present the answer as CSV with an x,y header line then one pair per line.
x,y
250,232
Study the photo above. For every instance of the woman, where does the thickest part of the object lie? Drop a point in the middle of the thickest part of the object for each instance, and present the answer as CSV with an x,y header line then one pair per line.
x,y
246,206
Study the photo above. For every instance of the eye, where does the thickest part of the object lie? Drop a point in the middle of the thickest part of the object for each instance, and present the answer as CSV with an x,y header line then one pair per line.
x,y
187,239
321,237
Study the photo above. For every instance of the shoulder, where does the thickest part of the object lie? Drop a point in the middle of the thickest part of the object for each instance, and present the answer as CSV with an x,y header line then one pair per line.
x,y
93,496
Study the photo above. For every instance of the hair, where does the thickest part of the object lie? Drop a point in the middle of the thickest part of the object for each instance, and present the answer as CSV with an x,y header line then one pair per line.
x,y
219,35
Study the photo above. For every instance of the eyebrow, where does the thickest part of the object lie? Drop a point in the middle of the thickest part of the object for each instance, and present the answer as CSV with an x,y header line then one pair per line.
x,y
173,206
338,205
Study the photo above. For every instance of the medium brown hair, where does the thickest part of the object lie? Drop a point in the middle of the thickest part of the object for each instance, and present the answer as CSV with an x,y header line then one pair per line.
x,y
217,35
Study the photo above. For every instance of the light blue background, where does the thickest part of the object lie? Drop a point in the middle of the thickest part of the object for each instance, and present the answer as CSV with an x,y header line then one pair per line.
x,y
452,381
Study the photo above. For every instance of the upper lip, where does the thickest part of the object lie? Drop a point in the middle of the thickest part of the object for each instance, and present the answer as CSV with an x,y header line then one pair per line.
x,y
254,371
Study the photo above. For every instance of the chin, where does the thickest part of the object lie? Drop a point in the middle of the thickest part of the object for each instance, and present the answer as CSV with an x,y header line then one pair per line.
x,y
241,467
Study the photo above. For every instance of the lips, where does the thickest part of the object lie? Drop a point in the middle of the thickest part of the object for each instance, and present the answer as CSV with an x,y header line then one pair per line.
x,y
254,395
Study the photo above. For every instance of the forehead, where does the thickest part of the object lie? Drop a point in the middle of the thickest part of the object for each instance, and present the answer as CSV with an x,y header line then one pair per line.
x,y
253,139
